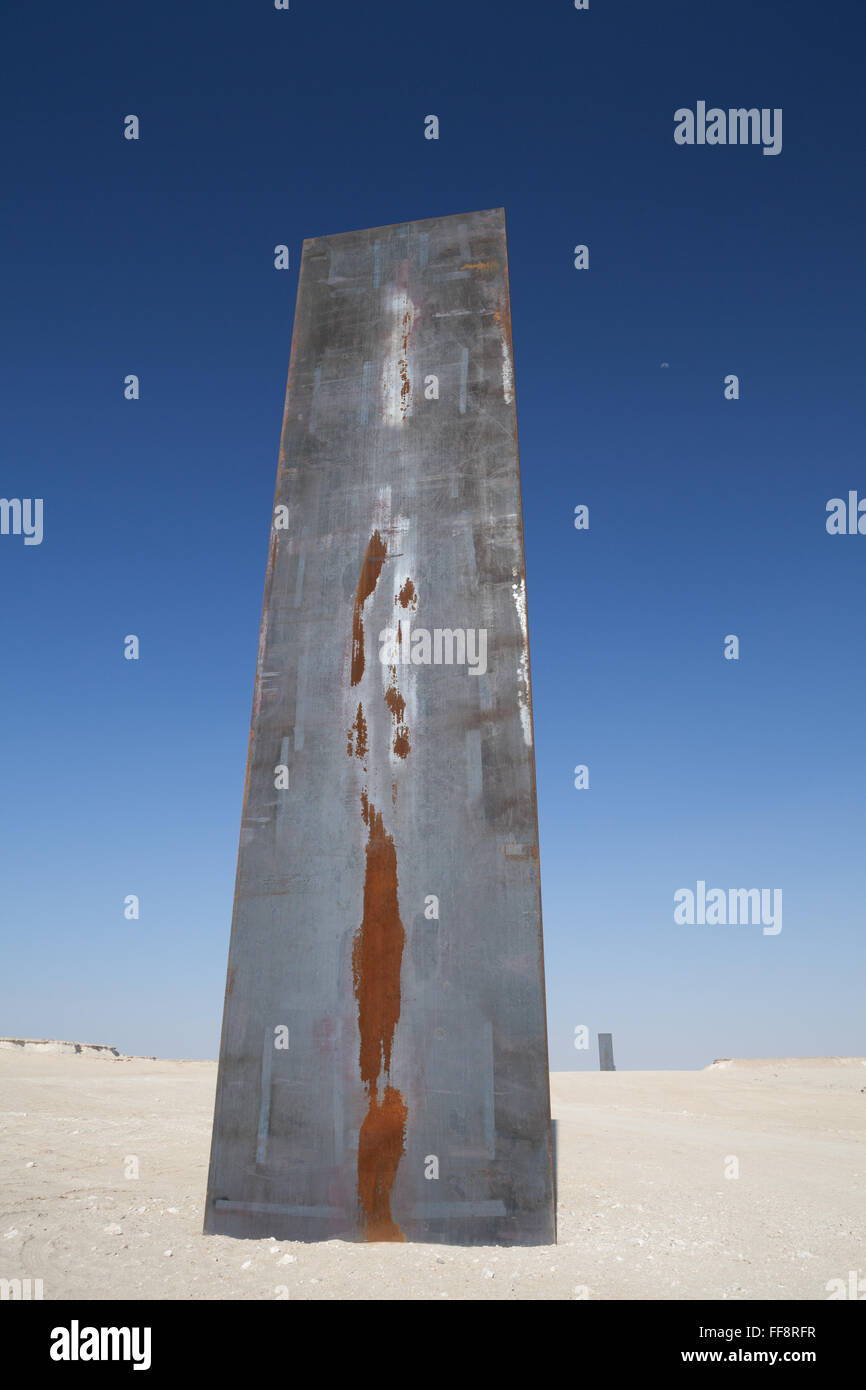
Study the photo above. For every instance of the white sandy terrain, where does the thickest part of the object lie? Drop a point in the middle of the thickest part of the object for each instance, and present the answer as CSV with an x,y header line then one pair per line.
x,y
645,1208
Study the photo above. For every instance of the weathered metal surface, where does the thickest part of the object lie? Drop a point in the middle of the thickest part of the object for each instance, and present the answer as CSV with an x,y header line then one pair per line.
x,y
383,1068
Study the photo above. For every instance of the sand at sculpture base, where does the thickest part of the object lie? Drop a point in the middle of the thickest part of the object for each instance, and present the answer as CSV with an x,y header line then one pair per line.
x,y
645,1209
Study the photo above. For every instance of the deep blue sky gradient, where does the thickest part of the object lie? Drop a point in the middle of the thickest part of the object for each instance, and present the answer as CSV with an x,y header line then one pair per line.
x,y
261,127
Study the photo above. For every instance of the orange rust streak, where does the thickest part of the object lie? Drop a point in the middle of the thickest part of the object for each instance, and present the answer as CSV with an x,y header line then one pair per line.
x,y
381,1144
371,568
378,952
396,704
359,728
407,593
377,957
479,265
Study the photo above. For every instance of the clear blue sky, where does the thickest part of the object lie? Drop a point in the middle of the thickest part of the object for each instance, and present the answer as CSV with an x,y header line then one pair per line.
x,y
707,516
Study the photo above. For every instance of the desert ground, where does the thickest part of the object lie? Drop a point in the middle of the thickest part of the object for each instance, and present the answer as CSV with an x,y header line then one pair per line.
x,y
645,1209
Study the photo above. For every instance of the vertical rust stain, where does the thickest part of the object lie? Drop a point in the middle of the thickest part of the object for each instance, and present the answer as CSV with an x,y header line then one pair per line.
x,y
359,729
395,702
371,568
397,705
407,593
377,956
378,952
380,1147
403,365
408,597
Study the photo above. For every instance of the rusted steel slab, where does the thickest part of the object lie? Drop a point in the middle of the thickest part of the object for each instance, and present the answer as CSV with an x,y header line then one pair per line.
x,y
383,1067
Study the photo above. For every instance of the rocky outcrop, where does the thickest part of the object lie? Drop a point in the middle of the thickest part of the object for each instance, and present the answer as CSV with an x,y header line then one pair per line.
x,y
57,1048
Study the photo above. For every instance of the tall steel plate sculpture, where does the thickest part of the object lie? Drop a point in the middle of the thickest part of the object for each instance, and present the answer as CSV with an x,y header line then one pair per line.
x,y
383,1068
